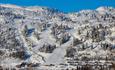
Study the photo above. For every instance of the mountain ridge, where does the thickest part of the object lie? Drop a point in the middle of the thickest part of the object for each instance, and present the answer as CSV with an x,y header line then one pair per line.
x,y
37,7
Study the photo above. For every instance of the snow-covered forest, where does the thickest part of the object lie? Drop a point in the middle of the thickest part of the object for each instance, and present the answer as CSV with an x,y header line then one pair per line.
x,y
41,38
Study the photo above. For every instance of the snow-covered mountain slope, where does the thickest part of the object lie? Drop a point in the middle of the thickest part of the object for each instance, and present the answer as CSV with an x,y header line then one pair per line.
x,y
44,36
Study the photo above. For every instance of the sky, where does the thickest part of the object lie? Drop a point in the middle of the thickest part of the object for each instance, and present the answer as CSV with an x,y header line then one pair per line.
x,y
63,5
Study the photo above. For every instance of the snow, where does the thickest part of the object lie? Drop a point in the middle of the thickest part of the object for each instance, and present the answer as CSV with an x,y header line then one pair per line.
x,y
10,6
36,20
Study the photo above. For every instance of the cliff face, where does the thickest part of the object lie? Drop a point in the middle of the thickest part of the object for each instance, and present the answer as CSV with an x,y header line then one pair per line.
x,y
47,36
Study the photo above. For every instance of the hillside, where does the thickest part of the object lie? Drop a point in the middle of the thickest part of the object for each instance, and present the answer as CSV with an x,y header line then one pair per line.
x,y
47,38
